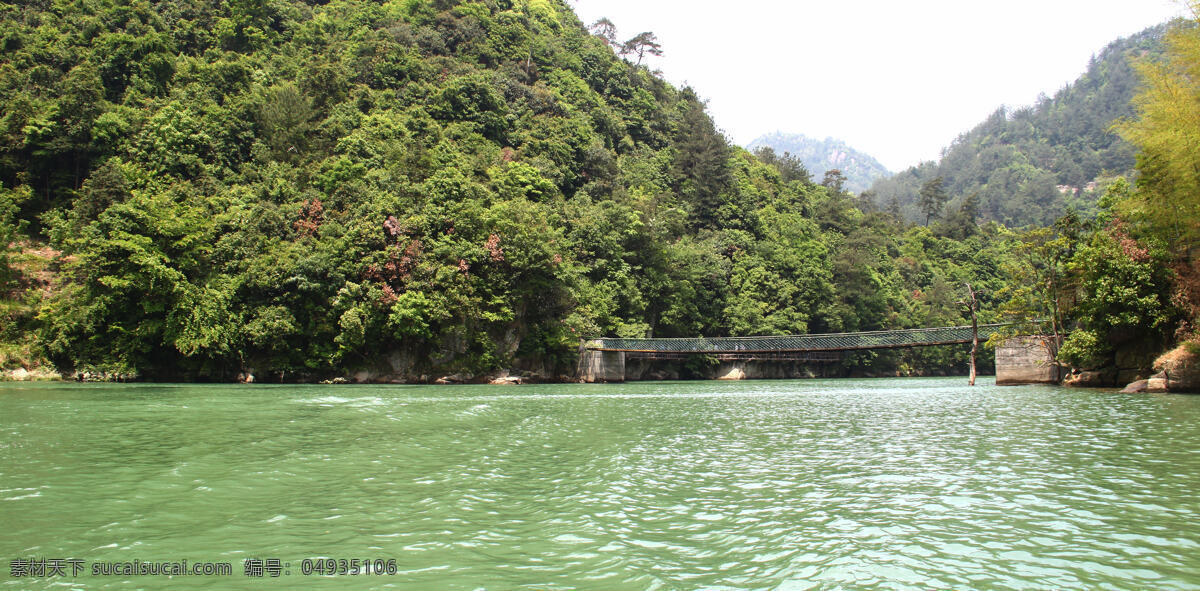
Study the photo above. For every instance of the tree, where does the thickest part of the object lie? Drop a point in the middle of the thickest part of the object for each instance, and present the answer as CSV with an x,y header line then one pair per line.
x,y
605,30
970,208
1167,131
932,198
701,166
972,305
1124,296
893,209
641,44
961,223
834,180
1042,292
284,115
793,169
790,167
10,201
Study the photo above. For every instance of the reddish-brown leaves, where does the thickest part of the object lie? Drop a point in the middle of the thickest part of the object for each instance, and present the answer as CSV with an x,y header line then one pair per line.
x,y
311,214
493,247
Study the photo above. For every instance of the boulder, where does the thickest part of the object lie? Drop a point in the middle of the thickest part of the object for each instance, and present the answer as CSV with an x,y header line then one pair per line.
x,y
21,374
1180,369
733,372
454,379
1089,379
504,379
1135,387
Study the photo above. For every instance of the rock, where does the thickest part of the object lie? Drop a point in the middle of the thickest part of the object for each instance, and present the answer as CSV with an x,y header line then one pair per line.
x,y
1180,368
455,378
1135,387
1126,376
21,374
103,376
1135,356
1156,385
664,374
1088,379
401,362
1133,360
510,342
734,372
503,378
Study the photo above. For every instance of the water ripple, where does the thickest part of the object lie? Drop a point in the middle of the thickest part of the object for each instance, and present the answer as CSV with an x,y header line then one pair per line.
x,y
897,484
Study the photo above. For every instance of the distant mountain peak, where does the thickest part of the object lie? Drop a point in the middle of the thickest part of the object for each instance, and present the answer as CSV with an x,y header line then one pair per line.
x,y
819,155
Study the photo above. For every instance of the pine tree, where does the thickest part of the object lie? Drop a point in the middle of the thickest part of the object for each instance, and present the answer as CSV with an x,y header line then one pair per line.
x,y
701,165
641,44
932,199
606,30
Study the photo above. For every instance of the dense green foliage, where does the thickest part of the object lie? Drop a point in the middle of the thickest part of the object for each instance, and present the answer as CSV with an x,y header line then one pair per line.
x,y
1135,276
1092,286
1167,132
818,156
306,189
1030,165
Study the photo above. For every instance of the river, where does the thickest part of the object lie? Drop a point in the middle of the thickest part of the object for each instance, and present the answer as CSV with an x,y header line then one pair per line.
x,y
900,483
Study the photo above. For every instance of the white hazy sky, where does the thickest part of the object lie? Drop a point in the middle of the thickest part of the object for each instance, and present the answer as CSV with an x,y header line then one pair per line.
x,y
896,79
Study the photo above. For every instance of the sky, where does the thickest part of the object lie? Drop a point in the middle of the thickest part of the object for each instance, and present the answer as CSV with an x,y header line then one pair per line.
x,y
897,79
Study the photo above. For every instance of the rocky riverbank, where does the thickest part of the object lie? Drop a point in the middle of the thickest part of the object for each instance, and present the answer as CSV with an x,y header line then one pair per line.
x,y
21,374
1177,370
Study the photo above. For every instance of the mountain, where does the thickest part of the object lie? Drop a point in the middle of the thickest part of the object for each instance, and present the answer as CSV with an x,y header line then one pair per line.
x,y
819,156
1029,165
397,191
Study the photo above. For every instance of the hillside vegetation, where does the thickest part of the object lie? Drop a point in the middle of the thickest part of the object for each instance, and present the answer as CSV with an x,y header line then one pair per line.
x,y
411,189
302,190
1030,165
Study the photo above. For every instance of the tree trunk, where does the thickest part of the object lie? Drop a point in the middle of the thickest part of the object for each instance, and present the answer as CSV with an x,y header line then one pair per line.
x,y
972,305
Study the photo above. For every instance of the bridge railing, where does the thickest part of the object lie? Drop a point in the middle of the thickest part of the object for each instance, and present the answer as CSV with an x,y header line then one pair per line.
x,y
882,339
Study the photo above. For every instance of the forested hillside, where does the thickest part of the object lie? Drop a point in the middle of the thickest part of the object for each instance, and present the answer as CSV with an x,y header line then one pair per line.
x,y
303,190
819,156
1029,165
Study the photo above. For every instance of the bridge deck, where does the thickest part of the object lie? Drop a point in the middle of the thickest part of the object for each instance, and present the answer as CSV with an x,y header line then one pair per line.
x,y
848,341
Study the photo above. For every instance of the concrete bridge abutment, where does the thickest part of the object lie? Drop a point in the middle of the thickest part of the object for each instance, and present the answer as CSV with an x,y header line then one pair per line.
x,y
601,366
1027,360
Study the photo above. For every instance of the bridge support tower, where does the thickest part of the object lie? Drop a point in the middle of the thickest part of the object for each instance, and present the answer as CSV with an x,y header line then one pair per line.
x,y
601,366
1026,360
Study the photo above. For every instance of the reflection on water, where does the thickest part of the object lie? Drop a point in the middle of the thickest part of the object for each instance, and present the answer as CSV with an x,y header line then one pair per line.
x,y
916,483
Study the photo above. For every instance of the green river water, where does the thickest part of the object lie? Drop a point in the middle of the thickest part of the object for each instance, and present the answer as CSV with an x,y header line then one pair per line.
x,y
886,483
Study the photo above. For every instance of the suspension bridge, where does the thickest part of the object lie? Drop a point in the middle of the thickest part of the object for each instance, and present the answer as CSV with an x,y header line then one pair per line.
x,y
795,344
603,358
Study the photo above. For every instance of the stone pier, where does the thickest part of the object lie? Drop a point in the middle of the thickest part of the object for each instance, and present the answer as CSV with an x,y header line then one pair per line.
x,y
601,366
1026,360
